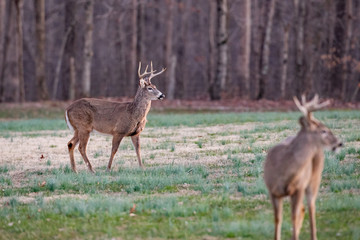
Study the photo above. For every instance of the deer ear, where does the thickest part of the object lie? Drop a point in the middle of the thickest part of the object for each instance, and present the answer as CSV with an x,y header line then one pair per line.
x,y
142,83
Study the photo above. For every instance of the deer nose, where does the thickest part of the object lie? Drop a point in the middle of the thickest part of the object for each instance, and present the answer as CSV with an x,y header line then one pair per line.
x,y
162,96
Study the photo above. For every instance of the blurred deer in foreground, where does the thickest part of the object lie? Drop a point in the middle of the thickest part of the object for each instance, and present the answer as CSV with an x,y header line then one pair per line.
x,y
117,119
293,168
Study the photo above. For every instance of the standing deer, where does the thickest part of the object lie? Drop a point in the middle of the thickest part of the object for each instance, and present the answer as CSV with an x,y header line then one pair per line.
x,y
293,168
115,118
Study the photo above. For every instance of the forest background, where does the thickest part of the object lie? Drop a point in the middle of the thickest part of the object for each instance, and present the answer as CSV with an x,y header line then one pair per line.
x,y
220,49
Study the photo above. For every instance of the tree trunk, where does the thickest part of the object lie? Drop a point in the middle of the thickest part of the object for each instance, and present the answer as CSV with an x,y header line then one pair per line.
x,y
42,92
221,49
265,56
247,48
338,47
59,63
285,54
346,59
140,32
169,57
257,43
72,78
299,22
19,17
133,48
6,34
182,49
172,77
88,51
212,48
70,50
2,25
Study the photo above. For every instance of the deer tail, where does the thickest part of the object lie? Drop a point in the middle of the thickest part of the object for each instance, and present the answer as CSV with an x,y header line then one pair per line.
x,y
68,122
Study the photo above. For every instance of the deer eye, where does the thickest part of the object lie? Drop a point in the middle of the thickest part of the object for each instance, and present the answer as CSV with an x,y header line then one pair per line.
x,y
150,88
323,131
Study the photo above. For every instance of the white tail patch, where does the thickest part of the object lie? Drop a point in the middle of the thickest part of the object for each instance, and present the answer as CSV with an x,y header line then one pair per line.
x,y
68,122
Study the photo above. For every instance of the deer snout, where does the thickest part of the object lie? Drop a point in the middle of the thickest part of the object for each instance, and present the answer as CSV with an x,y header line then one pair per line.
x,y
161,96
337,146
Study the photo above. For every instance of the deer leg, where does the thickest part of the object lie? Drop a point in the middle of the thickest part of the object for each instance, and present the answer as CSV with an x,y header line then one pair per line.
x,y
115,145
71,146
297,212
84,138
312,191
277,205
311,194
136,143
312,208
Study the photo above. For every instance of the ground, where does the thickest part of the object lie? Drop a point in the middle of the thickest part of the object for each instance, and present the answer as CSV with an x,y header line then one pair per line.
x,y
203,178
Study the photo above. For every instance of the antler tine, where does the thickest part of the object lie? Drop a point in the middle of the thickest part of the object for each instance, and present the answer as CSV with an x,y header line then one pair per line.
x,y
300,107
152,71
308,107
303,99
139,74
145,72
315,105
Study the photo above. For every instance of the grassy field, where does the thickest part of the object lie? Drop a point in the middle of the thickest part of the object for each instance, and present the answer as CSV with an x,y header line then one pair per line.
x,y
203,179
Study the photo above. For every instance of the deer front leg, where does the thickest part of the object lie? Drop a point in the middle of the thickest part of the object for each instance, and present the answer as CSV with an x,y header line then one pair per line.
x,y
71,146
313,189
312,208
277,204
84,138
136,143
115,145
297,212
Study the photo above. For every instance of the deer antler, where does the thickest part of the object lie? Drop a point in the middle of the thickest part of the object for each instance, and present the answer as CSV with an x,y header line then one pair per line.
x,y
145,72
152,72
308,107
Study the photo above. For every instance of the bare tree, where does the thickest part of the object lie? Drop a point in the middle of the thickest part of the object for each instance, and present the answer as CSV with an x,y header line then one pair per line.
x,y
211,43
2,25
286,27
133,47
247,47
346,59
72,78
6,34
19,27
299,22
285,53
39,6
88,51
338,46
59,62
218,85
265,55
68,65
170,58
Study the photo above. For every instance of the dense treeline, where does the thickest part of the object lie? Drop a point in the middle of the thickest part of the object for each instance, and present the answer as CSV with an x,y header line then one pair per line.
x,y
212,48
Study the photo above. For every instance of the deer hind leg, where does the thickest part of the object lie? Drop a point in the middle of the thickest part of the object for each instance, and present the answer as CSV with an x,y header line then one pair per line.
x,y
136,142
84,138
115,145
297,212
277,205
71,146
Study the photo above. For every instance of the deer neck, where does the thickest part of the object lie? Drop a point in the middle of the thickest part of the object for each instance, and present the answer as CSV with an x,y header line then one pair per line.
x,y
307,141
140,107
